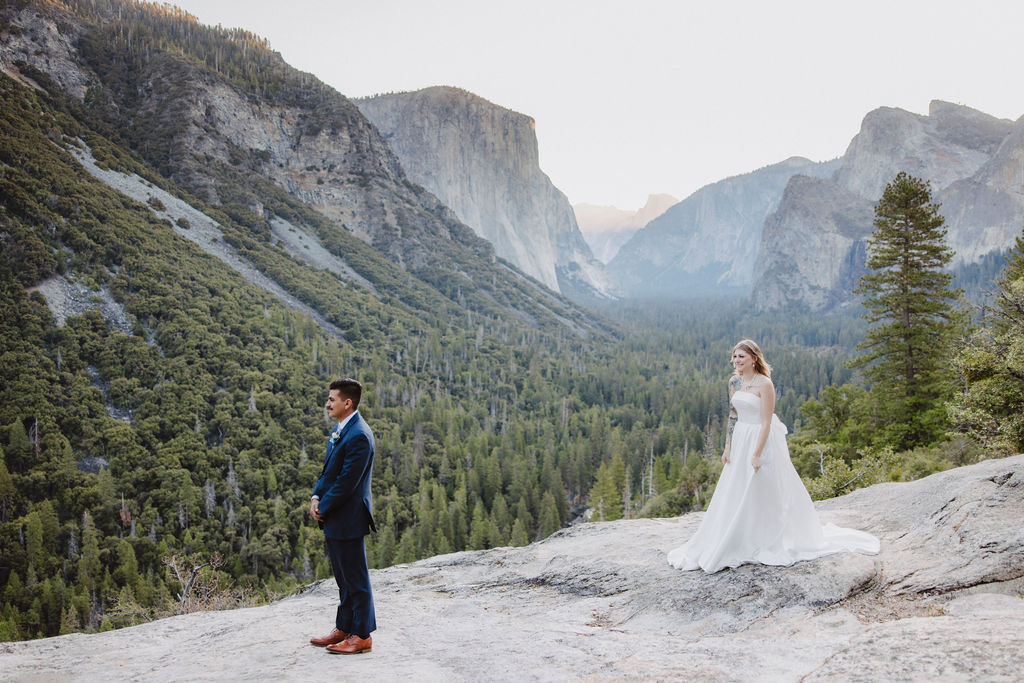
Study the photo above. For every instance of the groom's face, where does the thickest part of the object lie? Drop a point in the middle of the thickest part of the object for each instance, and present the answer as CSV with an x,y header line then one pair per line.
x,y
337,405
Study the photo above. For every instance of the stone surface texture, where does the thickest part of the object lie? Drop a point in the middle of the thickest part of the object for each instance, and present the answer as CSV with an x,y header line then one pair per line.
x,y
595,602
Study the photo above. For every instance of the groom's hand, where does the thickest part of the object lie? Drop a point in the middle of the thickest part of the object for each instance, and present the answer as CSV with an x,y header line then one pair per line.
x,y
314,509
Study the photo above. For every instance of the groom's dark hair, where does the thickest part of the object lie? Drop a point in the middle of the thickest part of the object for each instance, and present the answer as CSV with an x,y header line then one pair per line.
x,y
349,388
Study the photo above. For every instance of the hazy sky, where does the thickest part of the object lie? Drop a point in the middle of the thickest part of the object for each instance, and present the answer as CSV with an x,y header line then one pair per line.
x,y
635,97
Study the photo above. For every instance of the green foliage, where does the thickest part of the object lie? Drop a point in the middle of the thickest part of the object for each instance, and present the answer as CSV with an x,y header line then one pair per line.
x,y
837,477
990,402
908,302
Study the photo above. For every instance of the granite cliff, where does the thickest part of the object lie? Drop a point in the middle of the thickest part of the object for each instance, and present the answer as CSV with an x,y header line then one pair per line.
x,y
708,243
941,601
972,160
482,161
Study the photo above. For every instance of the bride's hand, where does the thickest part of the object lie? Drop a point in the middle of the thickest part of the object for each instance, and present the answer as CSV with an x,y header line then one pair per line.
x,y
725,457
756,462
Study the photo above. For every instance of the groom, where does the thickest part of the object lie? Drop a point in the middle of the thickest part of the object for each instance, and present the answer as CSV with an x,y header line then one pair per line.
x,y
343,507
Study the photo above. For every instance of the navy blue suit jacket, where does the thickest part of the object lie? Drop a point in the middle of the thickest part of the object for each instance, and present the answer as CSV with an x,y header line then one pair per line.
x,y
343,486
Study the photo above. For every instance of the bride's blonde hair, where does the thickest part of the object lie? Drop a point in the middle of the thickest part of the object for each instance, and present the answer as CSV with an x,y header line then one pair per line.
x,y
760,364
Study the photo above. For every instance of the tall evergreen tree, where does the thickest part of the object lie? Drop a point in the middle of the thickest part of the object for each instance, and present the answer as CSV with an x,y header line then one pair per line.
x,y
909,308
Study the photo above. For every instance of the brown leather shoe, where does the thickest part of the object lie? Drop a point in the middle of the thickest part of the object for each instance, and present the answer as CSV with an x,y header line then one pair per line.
x,y
335,636
353,645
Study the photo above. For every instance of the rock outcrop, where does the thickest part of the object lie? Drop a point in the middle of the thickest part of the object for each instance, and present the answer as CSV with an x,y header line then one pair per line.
x,y
974,162
481,160
941,601
607,228
986,211
951,143
814,246
708,243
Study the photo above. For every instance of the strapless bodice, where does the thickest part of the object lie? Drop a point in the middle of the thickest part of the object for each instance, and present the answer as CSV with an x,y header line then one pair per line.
x,y
748,410
748,406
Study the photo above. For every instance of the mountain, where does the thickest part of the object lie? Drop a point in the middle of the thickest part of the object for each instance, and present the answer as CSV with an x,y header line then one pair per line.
x,y
481,160
707,243
238,128
941,601
607,228
971,160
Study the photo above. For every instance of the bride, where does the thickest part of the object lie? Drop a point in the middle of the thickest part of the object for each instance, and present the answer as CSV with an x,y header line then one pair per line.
x,y
760,511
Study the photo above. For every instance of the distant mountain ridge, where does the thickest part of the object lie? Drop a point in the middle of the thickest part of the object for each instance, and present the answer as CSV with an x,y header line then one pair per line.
x,y
607,228
482,161
971,159
707,243
794,233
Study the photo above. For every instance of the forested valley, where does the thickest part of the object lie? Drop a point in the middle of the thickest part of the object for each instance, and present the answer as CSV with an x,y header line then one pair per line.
x,y
168,467
201,431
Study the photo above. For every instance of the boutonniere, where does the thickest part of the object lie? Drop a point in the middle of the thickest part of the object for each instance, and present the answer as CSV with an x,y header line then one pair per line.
x,y
334,435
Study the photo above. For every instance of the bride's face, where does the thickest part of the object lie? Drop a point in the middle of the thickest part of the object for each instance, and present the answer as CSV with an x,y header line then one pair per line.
x,y
742,361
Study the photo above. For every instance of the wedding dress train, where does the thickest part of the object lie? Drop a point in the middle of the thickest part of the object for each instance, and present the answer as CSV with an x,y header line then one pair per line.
x,y
763,517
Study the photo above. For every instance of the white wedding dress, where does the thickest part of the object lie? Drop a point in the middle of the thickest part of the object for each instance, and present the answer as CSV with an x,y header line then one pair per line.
x,y
763,517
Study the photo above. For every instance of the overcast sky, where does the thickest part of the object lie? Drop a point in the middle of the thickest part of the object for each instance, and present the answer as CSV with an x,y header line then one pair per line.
x,y
636,97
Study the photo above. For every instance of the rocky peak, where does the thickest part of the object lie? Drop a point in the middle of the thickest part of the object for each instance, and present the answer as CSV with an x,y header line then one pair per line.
x,y
967,127
243,143
813,248
951,143
31,36
481,160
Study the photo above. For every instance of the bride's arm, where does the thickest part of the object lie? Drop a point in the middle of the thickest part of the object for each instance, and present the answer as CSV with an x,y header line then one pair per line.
x,y
734,384
767,391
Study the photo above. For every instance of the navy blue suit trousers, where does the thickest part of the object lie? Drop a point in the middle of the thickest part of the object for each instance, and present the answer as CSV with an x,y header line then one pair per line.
x,y
355,597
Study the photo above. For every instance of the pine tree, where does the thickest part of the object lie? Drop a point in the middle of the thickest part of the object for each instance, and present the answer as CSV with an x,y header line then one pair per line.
x,y
479,528
127,572
19,448
7,490
89,565
34,539
908,300
519,537
549,521
406,547
603,497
